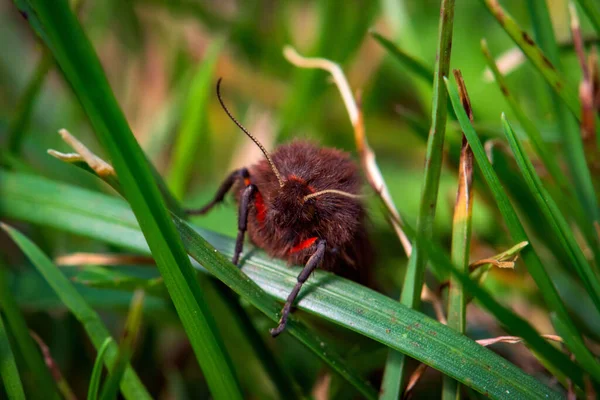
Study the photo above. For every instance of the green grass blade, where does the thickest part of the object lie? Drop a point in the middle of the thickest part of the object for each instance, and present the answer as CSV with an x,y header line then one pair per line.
x,y
534,135
592,11
126,347
572,139
561,228
24,108
27,347
81,68
517,232
63,207
131,386
414,65
8,368
413,282
535,55
460,250
94,385
549,160
511,321
193,134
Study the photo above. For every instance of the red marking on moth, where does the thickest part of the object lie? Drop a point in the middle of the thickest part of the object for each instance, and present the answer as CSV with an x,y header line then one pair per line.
x,y
259,206
247,181
296,178
305,244
302,181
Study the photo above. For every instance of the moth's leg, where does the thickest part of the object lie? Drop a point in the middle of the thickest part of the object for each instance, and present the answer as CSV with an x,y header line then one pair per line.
x,y
312,263
245,201
223,189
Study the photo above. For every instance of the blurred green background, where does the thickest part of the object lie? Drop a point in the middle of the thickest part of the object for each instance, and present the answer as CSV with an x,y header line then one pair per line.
x,y
163,59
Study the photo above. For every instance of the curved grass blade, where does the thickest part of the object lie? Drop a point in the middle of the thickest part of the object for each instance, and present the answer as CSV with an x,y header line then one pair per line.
x,y
131,386
535,55
80,65
517,233
461,241
350,305
94,384
29,350
193,133
395,368
8,368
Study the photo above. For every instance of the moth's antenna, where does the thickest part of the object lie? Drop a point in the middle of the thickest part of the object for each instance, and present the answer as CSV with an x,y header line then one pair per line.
x,y
333,191
255,140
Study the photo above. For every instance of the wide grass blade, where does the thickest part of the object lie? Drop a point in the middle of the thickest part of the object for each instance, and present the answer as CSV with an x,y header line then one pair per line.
x,y
94,385
395,368
461,241
326,295
8,368
193,134
74,54
27,347
517,233
131,386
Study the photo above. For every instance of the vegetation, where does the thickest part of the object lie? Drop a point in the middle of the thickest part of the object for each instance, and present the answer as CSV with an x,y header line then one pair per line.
x,y
484,120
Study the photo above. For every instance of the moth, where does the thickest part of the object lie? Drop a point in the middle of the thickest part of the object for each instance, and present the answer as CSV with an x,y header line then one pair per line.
x,y
302,204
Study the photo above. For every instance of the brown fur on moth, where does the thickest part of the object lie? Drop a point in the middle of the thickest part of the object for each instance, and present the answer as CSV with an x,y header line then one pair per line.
x,y
302,203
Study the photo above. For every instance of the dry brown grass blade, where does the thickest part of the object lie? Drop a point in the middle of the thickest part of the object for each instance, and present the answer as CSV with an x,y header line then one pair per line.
x,y
61,382
586,87
75,259
432,297
514,340
367,156
413,380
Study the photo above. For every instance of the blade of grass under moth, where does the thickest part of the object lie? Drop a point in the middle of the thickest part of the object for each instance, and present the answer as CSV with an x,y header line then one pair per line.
x,y
29,350
550,162
461,241
73,52
561,228
131,386
8,367
516,230
96,376
126,347
193,134
395,368
592,10
572,137
41,201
